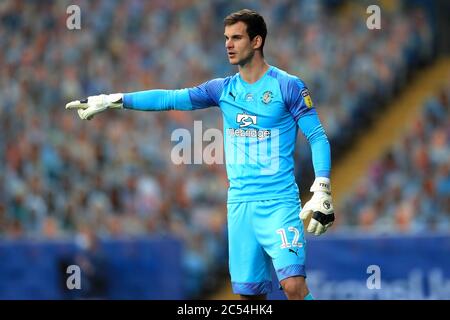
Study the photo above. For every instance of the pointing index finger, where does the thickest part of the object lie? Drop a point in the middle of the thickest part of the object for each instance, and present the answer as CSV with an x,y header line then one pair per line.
x,y
77,104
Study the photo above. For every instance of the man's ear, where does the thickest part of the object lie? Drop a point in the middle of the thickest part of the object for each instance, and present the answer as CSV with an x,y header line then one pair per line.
x,y
257,42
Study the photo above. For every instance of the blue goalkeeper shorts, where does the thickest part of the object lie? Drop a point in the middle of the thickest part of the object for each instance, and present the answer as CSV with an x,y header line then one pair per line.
x,y
261,233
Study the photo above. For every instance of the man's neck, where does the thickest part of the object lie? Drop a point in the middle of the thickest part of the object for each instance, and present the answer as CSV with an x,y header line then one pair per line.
x,y
254,69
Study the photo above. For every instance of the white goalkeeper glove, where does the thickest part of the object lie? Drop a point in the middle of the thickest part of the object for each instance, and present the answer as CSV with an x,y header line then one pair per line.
x,y
320,206
88,108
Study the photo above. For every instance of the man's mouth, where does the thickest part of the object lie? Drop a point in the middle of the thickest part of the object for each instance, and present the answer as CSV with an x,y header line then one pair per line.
x,y
231,54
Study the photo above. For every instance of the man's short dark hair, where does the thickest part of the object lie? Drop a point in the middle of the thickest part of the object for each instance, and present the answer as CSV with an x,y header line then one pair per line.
x,y
254,21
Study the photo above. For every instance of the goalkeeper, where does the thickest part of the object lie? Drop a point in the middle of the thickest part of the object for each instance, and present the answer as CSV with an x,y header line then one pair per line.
x,y
261,106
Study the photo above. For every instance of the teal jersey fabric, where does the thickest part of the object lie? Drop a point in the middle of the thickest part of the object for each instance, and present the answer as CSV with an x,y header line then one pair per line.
x,y
260,123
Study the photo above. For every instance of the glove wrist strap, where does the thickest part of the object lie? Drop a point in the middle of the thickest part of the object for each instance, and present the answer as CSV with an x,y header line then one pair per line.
x,y
115,100
321,184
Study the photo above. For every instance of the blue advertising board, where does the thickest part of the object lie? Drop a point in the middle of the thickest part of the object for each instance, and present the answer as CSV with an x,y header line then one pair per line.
x,y
149,268
377,267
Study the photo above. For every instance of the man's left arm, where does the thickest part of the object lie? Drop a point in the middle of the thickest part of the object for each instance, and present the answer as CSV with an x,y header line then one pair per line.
x,y
321,205
300,105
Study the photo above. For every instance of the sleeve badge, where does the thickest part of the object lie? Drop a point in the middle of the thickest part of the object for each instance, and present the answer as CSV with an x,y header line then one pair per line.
x,y
307,98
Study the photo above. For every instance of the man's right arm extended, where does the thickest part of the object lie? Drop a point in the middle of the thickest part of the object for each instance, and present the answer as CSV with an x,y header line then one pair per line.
x,y
202,96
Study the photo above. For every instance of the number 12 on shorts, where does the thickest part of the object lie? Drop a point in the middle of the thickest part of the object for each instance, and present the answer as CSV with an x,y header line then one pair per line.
x,y
284,241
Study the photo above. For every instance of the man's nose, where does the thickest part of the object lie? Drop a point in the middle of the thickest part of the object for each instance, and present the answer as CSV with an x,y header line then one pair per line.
x,y
228,44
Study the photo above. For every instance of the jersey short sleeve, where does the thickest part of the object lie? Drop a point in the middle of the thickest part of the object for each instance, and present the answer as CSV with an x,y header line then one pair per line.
x,y
206,94
296,97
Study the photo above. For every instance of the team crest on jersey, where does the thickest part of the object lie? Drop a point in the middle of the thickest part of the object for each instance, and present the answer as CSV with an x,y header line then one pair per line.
x,y
267,97
307,98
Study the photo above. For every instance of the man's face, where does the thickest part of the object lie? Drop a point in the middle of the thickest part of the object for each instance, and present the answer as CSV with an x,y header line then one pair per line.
x,y
237,42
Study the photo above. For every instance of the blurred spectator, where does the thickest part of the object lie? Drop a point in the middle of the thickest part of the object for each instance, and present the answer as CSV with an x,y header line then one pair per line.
x,y
93,265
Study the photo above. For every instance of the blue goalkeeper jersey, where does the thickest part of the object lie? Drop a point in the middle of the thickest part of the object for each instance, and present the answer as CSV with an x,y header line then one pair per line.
x,y
260,123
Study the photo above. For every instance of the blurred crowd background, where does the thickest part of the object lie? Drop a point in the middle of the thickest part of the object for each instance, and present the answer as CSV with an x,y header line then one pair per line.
x,y
408,188
66,178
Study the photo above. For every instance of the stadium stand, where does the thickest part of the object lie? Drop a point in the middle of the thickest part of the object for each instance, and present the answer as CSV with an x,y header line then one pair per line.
x,y
407,189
